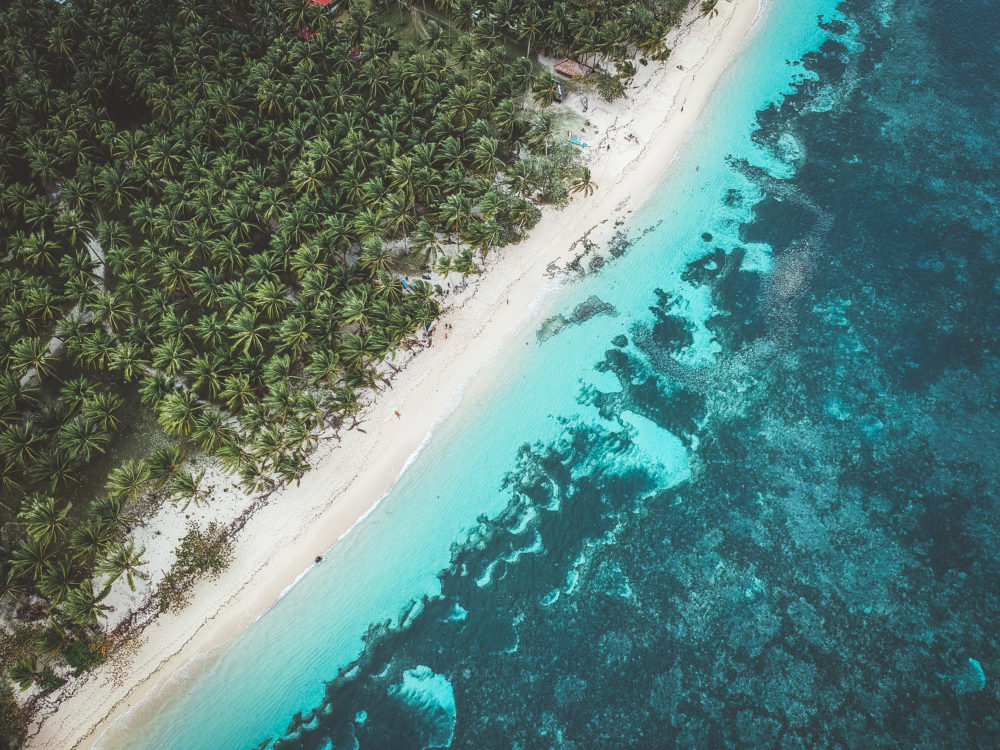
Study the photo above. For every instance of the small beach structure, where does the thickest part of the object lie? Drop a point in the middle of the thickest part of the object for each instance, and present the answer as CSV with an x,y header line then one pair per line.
x,y
570,68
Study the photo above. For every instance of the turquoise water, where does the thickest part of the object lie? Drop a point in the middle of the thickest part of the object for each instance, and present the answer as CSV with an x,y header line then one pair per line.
x,y
700,517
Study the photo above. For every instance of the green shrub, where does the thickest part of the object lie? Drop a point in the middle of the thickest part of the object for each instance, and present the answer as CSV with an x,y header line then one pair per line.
x,y
82,657
202,553
608,86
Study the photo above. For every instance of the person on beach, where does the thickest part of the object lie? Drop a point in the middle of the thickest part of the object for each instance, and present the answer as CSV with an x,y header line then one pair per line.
x,y
398,415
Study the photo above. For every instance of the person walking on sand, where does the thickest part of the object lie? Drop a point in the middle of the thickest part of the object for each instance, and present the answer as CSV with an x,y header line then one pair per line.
x,y
398,415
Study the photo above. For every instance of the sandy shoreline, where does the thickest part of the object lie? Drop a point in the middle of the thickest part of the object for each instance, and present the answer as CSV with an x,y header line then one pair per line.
x,y
632,142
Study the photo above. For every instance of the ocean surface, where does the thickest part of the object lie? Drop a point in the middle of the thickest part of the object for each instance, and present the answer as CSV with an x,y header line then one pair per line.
x,y
736,488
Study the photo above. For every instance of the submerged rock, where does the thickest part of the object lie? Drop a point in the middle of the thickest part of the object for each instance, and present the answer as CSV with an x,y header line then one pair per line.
x,y
429,700
589,308
971,677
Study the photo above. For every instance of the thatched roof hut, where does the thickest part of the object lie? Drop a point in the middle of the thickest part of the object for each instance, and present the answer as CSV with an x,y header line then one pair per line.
x,y
570,68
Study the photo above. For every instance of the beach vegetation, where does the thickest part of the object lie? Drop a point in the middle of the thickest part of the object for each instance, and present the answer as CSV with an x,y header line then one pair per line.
x,y
609,86
202,553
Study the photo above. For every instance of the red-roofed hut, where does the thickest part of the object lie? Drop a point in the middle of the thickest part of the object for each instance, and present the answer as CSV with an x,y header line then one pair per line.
x,y
570,68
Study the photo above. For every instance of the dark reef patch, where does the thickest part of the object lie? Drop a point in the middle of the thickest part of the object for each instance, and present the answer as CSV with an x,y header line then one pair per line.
x,y
589,308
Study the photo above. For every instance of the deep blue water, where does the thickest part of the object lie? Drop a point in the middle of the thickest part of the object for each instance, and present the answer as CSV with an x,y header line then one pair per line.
x,y
832,565
765,512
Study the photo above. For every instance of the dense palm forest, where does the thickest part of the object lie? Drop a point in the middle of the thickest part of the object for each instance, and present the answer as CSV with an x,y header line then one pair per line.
x,y
218,214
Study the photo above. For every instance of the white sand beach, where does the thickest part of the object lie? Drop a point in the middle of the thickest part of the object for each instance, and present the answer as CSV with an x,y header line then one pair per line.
x,y
631,144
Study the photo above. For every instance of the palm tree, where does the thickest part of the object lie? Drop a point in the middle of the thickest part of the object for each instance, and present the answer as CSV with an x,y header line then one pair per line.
x,y
31,557
31,354
89,540
15,393
485,234
323,366
206,372
111,511
81,438
233,455
582,183
12,586
375,257
95,349
20,443
101,409
25,672
164,462
128,479
368,225
530,24
211,430
425,240
545,89
268,445
173,272
505,118
398,215
155,387
237,392
454,215
523,214
291,467
307,179
255,478
127,358
271,298
166,155
465,263
186,486
486,156
58,580
248,333
44,519
83,607
112,310
460,107
278,400
116,186
122,559
443,267
293,335
211,330
178,412
358,350
10,481
51,640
